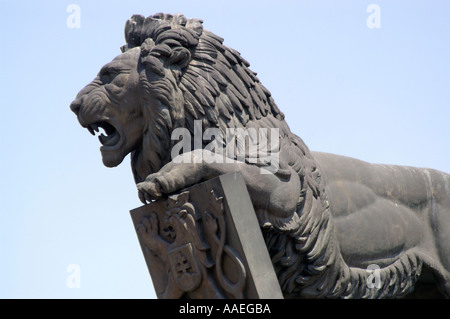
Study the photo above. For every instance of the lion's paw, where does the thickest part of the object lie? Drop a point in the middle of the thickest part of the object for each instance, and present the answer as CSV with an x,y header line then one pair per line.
x,y
170,178
149,190
155,185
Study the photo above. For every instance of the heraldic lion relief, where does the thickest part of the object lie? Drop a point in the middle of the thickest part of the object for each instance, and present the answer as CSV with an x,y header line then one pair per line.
x,y
325,218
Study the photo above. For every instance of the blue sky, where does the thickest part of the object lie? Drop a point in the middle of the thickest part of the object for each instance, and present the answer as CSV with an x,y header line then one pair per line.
x,y
377,94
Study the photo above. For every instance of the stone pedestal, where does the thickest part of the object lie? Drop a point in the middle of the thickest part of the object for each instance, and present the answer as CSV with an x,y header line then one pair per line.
x,y
206,242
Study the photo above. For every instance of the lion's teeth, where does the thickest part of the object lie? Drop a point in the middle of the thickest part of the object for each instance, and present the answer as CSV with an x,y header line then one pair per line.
x,y
101,138
93,128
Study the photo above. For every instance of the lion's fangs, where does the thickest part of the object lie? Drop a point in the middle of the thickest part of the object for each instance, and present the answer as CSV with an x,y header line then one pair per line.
x,y
110,137
93,128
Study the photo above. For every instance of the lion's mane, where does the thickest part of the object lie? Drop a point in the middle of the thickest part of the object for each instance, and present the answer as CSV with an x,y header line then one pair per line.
x,y
187,74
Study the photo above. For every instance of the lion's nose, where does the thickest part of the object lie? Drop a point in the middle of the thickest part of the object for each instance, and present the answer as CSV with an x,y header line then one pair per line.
x,y
75,106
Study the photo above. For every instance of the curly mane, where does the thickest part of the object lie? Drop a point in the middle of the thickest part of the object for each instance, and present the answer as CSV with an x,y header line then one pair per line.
x,y
187,74
193,76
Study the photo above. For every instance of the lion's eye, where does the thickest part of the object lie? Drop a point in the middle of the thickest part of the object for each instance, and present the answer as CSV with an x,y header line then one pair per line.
x,y
107,75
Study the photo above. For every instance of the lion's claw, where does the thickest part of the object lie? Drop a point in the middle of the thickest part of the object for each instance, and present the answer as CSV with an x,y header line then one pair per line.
x,y
142,197
148,191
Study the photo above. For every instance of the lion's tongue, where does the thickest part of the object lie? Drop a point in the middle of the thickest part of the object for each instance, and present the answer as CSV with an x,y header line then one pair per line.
x,y
109,140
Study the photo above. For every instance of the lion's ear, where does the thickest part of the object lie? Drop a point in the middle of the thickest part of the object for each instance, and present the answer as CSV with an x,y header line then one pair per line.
x,y
180,56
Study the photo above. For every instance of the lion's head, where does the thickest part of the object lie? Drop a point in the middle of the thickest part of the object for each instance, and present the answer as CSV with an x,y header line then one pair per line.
x,y
112,102
135,98
171,73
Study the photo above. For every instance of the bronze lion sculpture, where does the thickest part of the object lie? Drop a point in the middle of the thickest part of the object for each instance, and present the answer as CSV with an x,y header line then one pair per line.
x,y
326,219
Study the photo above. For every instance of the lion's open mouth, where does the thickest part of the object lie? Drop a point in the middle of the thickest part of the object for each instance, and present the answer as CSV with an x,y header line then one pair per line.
x,y
109,137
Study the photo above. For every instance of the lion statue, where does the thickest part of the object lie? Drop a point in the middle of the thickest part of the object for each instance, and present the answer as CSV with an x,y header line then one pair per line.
x,y
329,221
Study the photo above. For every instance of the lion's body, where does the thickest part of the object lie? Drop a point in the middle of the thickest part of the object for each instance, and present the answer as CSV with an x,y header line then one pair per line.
x,y
325,218
383,212
411,203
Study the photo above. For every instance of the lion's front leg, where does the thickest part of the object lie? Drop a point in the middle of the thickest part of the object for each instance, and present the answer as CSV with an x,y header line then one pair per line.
x,y
267,191
183,171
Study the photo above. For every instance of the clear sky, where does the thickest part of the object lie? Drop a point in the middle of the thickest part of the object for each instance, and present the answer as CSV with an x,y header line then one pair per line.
x,y
350,82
